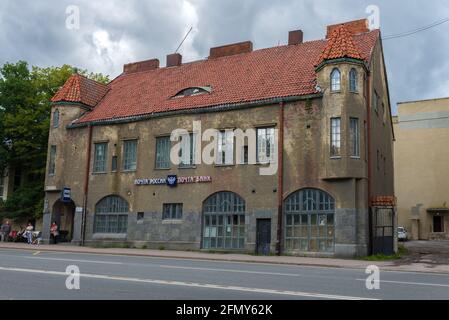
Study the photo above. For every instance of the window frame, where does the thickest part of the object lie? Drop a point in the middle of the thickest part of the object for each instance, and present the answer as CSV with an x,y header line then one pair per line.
x,y
353,81
52,160
105,157
333,85
354,138
272,156
125,157
224,138
111,211
172,211
56,118
157,161
333,141
192,136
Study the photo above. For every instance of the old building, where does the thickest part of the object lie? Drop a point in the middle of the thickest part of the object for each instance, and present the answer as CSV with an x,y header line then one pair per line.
x,y
320,116
422,173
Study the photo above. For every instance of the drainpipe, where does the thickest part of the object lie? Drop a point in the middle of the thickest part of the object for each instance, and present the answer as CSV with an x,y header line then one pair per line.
x,y
280,178
86,185
368,127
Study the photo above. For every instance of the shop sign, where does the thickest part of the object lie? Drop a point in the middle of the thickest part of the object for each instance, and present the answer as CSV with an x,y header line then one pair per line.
x,y
173,180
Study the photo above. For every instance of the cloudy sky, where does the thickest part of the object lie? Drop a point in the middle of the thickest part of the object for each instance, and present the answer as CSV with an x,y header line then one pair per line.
x,y
112,33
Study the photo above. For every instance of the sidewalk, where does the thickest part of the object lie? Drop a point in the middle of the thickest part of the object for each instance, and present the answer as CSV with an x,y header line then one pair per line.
x,y
285,260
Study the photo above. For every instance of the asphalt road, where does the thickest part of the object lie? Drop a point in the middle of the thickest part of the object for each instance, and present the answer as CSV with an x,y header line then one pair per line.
x,y
42,275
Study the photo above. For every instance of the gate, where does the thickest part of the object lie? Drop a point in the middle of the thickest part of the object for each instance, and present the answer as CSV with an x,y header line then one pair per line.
x,y
382,227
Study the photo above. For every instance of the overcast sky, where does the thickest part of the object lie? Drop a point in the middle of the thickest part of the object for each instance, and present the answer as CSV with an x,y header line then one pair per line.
x,y
112,33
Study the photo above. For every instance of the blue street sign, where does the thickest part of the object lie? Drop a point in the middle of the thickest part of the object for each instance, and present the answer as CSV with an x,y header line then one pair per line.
x,y
66,195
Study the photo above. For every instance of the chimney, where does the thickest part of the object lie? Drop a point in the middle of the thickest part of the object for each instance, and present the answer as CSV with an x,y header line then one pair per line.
x,y
174,60
231,49
141,66
295,37
354,27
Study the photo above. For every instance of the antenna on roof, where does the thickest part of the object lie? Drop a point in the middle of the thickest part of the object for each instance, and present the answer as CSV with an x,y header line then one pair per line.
x,y
191,28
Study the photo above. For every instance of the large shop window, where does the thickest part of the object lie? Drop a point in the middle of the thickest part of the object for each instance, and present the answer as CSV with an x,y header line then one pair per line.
x,y
111,215
309,221
224,221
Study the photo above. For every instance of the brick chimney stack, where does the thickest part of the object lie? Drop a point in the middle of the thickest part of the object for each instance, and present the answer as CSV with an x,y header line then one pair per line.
x,y
174,60
295,37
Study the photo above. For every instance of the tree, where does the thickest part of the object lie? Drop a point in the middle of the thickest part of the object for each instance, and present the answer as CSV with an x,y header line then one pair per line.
x,y
25,103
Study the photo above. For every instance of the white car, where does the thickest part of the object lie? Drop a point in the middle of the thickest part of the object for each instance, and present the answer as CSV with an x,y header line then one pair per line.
x,y
402,234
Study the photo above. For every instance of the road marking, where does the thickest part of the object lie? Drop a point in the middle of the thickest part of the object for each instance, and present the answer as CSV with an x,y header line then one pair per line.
x,y
196,285
411,283
64,259
231,270
36,253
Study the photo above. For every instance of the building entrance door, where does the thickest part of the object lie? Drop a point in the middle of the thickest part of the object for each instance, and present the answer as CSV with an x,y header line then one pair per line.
x,y
263,236
438,224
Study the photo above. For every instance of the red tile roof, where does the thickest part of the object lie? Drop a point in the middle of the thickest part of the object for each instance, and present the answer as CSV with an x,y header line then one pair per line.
x,y
341,44
281,71
81,90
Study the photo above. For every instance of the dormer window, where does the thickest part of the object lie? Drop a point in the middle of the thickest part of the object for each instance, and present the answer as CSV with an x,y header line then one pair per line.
x,y
335,80
353,80
193,91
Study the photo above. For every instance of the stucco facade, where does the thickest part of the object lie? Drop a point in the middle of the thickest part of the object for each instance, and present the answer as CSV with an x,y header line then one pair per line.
x,y
422,174
341,186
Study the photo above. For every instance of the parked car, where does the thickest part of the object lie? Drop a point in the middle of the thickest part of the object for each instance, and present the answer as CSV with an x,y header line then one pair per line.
x,y
402,234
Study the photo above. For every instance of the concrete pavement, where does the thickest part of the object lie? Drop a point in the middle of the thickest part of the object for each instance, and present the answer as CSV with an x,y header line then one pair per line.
x,y
288,260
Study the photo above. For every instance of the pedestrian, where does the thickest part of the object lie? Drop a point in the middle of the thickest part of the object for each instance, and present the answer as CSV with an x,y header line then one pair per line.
x,y
29,233
5,229
54,232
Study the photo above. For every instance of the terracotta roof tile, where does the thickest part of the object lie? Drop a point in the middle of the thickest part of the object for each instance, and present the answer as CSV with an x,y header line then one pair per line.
x,y
262,74
341,44
82,90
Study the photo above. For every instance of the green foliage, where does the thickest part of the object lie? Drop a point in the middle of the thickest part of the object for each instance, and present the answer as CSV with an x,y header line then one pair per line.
x,y
25,103
402,251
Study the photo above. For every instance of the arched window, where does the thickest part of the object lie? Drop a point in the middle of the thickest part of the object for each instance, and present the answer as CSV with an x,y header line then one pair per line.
x,y
309,221
353,80
111,215
335,80
224,221
56,118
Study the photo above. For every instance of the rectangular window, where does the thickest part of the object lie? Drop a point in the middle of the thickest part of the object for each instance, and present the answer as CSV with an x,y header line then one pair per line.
x,y
354,137
266,145
52,162
376,102
163,145
172,211
245,155
335,137
114,164
100,156
130,155
187,152
140,216
225,147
